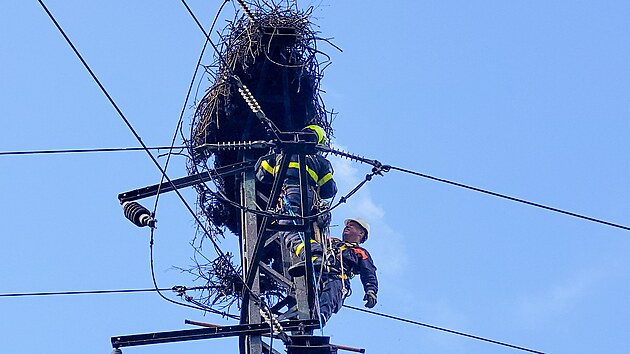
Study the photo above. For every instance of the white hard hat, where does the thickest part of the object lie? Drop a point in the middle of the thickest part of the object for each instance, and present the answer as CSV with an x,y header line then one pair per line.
x,y
364,224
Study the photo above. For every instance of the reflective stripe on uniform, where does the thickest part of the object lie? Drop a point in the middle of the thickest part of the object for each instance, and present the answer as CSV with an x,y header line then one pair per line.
x,y
267,167
312,173
325,179
300,246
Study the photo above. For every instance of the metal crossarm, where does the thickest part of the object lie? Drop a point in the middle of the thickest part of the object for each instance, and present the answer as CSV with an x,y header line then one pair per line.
x,y
207,333
183,182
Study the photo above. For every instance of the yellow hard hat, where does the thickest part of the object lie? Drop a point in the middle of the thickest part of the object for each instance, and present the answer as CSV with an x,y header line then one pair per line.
x,y
321,134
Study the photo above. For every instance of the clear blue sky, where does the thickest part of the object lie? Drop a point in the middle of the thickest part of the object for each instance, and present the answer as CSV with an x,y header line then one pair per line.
x,y
525,98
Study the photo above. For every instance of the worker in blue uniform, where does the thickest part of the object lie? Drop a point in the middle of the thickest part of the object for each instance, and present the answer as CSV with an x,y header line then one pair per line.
x,y
321,184
319,169
343,261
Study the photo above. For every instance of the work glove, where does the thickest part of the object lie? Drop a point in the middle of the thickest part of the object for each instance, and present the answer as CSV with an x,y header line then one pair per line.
x,y
370,298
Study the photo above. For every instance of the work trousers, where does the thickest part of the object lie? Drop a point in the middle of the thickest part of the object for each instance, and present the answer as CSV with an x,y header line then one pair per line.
x,y
292,195
331,296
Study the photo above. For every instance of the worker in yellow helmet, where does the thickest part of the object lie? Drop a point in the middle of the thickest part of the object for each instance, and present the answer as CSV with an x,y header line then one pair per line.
x,y
319,169
321,134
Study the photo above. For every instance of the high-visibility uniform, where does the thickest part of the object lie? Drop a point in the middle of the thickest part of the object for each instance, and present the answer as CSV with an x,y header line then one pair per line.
x,y
319,170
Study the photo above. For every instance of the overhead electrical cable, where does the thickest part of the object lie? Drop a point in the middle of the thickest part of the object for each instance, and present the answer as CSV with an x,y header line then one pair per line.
x,y
461,185
86,292
378,168
442,329
117,291
121,114
181,114
217,51
77,151
518,200
127,291
179,124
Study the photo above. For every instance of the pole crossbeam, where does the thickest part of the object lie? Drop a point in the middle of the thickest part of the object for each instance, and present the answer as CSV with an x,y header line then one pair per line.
x,y
206,333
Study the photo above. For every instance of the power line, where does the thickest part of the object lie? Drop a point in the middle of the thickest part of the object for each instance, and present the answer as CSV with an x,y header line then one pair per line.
x,y
119,291
157,196
461,185
123,291
86,292
518,200
133,131
442,329
75,151
137,136
206,34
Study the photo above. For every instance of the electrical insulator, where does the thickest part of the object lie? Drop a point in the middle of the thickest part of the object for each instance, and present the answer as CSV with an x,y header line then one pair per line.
x,y
273,322
116,351
138,214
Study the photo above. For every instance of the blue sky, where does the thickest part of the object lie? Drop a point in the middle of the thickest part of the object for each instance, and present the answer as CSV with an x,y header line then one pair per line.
x,y
529,99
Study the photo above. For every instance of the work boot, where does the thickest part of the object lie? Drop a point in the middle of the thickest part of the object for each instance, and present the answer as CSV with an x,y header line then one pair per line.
x,y
299,268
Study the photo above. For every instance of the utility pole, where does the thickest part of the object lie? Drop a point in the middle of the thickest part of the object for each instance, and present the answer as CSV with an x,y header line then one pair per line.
x,y
273,52
249,234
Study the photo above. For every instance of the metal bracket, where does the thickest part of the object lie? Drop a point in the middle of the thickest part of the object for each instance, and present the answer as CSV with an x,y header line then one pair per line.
x,y
207,333
183,182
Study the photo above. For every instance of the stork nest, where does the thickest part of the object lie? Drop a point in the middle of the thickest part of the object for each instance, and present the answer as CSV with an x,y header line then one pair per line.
x,y
274,53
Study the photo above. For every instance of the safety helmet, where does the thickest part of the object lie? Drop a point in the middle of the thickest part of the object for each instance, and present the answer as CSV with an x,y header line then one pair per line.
x,y
364,224
321,134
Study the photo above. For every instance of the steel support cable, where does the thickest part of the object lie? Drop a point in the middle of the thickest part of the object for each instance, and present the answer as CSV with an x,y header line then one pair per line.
x,y
443,329
121,114
76,151
181,114
111,100
518,200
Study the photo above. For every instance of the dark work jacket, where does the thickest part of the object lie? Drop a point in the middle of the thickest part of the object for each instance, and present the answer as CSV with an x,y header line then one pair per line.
x,y
319,169
356,260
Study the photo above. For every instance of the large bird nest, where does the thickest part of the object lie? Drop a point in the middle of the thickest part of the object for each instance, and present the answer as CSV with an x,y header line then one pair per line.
x,y
275,55
273,51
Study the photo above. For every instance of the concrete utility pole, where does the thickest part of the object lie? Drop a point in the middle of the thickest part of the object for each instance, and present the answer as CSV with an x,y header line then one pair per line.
x,y
249,235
